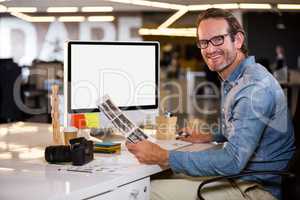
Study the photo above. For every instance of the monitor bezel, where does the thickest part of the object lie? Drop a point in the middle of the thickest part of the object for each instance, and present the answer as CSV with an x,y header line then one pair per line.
x,y
142,43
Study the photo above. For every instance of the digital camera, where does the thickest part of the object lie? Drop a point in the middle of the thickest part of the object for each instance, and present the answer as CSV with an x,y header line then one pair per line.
x,y
79,152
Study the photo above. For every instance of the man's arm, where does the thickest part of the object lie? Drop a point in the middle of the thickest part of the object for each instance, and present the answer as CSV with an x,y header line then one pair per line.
x,y
195,136
149,153
250,116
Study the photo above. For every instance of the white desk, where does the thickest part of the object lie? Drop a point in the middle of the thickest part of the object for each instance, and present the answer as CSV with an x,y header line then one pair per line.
x,y
24,174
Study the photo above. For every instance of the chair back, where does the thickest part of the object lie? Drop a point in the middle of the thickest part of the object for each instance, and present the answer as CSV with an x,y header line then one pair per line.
x,y
291,186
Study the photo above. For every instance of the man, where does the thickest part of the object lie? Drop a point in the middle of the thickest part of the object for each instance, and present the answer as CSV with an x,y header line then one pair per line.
x,y
255,127
280,71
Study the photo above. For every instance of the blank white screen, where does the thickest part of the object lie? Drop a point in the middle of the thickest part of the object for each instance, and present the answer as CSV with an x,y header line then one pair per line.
x,y
125,72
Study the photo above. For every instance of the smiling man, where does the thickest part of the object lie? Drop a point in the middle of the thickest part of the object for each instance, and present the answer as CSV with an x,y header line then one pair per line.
x,y
255,126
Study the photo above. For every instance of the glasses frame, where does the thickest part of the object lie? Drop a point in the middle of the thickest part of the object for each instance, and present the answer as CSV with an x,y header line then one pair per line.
x,y
211,41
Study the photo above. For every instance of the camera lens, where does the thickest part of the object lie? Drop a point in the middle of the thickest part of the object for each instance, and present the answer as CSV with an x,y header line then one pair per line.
x,y
60,153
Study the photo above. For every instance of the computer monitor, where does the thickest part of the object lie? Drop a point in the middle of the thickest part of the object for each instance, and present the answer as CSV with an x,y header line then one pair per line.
x,y
126,71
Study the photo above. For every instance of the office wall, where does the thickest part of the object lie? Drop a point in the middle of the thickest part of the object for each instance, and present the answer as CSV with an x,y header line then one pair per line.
x,y
25,41
264,35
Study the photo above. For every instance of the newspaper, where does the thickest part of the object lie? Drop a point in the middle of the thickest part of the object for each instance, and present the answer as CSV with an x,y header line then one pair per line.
x,y
131,131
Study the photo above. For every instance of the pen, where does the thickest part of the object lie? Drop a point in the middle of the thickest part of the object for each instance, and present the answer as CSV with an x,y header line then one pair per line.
x,y
76,170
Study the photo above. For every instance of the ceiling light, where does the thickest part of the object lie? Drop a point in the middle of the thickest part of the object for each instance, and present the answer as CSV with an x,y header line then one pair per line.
x,y
289,6
42,19
62,9
173,18
22,9
151,4
121,1
141,2
21,16
97,9
184,32
226,6
6,169
71,19
7,155
33,19
101,18
255,6
2,8
199,7
167,5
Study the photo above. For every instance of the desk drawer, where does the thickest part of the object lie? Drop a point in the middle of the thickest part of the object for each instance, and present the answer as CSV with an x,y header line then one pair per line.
x,y
138,190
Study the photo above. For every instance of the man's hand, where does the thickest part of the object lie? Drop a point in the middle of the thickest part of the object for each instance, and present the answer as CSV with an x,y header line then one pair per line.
x,y
149,153
194,137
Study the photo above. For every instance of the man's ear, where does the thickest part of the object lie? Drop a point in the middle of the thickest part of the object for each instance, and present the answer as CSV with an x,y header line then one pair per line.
x,y
239,40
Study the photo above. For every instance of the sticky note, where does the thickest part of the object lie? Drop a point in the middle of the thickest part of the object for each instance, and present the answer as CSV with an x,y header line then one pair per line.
x,y
78,120
92,120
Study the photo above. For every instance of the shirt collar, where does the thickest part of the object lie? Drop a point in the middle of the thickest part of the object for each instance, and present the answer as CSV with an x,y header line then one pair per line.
x,y
235,75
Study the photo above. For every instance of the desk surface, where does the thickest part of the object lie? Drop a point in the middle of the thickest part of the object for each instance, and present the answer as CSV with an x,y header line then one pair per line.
x,y
24,174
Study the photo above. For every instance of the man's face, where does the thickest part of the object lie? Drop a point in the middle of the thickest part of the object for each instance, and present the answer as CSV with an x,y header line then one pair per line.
x,y
217,57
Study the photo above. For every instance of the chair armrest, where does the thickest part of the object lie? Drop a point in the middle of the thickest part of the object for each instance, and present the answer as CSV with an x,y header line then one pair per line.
x,y
233,176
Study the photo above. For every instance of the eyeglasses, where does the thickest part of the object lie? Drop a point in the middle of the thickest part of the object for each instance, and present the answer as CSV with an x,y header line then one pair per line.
x,y
216,41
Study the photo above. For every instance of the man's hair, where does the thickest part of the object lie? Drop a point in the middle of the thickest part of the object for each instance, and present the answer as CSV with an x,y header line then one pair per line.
x,y
233,23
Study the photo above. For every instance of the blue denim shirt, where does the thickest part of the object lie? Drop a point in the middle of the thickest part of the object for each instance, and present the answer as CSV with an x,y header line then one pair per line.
x,y
255,127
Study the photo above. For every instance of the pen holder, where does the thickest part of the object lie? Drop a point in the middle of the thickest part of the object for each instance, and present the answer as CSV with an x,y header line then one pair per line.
x,y
69,133
166,127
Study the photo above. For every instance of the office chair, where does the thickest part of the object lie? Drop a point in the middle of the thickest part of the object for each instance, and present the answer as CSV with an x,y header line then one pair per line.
x,y
290,179
290,184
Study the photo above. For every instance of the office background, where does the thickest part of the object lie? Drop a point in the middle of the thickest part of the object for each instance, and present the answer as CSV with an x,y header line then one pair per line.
x,y
35,49
32,36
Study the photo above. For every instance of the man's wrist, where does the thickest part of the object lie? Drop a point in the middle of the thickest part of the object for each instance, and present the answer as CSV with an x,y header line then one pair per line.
x,y
164,161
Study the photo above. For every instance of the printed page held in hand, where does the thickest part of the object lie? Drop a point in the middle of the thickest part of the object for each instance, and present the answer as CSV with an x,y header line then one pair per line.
x,y
131,131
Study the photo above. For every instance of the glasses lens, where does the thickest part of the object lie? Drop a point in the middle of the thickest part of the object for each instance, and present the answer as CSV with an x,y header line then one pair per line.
x,y
217,40
202,44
